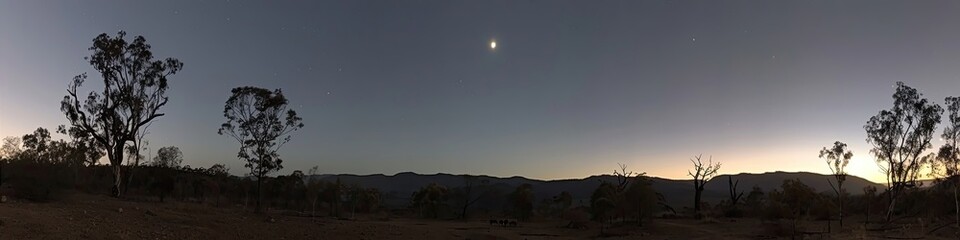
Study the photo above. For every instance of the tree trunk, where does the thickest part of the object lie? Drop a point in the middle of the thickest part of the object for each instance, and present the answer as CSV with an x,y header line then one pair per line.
x,y
639,213
136,163
893,204
840,202
116,161
866,218
117,171
259,193
956,204
696,201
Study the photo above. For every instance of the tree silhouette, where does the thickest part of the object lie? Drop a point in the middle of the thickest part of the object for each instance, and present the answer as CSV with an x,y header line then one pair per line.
x,y
603,202
260,121
429,198
837,157
134,90
82,150
947,163
701,173
133,151
37,145
565,200
900,136
471,193
87,150
219,170
797,198
314,189
12,146
168,157
522,200
735,194
11,149
640,196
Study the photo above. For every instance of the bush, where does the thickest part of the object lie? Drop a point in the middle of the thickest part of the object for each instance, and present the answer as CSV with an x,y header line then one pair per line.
x,y
733,212
37,182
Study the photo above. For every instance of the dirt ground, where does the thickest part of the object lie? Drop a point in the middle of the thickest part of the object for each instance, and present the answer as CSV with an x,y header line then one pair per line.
x,y
83,216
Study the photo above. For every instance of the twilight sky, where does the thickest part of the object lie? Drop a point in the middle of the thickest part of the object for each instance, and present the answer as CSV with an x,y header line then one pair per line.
x,y
573,87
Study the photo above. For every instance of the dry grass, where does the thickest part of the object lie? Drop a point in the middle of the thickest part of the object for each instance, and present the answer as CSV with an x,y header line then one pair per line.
x,y
99,217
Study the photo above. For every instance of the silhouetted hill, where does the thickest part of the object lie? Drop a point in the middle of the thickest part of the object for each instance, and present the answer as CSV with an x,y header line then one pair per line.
x,y
772,180
398,188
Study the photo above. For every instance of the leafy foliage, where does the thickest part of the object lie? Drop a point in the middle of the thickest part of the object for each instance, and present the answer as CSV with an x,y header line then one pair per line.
x,y
429,199
837,158
134,90
899,137
169,157
522,200
259,119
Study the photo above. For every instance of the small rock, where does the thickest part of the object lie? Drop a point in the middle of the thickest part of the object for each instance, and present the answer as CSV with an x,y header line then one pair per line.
x,y
3,199
151,213
120,210
272,220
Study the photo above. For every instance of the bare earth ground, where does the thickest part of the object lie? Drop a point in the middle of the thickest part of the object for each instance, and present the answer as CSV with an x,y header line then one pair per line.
x,y
84,216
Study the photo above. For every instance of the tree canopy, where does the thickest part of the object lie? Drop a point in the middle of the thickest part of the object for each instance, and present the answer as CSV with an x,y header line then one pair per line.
x,y
134,89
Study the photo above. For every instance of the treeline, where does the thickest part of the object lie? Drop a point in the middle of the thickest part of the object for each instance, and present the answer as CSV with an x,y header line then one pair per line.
x,y
44,172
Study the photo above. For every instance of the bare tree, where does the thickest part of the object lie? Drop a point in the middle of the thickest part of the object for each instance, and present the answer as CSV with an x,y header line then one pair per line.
x,y
623,177
732,189
946,167
134,90
701,173
260,121
472,193
900,136
837,158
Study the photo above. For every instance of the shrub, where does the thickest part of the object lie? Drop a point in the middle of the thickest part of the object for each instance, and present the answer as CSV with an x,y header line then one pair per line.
x,y
38,182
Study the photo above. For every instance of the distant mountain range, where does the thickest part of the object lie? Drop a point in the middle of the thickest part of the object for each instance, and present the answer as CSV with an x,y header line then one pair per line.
x,y
398,188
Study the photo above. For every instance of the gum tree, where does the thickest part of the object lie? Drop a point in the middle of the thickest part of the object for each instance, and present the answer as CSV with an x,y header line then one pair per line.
x,y
947,163
134,89
259,119
837,158
900,136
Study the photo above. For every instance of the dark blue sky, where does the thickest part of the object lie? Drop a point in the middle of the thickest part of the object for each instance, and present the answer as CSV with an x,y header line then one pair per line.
x,y
573,87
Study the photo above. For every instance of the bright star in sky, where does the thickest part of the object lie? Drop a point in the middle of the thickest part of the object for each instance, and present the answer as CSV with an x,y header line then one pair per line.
x,y
493,44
